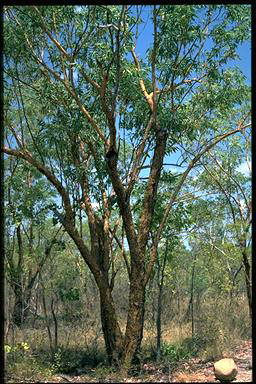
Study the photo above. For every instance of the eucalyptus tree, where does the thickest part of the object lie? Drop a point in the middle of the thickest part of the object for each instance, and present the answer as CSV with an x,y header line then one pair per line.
x,y
82,96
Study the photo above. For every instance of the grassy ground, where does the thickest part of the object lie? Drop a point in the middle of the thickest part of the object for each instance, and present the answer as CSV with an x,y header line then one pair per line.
x,y
81,347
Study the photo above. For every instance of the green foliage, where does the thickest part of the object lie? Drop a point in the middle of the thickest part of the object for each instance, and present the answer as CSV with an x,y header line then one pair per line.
x,y
58,129
18,352
29,193
175,352
71,294
57,364
22,363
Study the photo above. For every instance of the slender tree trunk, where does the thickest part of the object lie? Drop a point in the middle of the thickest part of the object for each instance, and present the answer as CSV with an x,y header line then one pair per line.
x,y
47,322
55,325
192,295
30,281
160,283
247,270
18,283
36,308
158,323
22,289
233,277
6,309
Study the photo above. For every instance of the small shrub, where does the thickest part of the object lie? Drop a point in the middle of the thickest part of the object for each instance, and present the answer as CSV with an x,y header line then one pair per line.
x,y
22,365
16,352
57,364
102,371
175,352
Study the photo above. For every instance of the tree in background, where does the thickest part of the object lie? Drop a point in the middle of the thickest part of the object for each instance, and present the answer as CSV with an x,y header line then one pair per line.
x,y
26,197
231,188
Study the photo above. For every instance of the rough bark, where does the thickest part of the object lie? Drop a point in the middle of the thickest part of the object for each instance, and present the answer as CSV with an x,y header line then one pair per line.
x,y
135,319
99,265
112,333
100,249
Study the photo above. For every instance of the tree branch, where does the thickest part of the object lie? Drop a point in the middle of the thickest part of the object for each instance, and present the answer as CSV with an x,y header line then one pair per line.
x,y
72,92
68,223
58,45
133,176
148,97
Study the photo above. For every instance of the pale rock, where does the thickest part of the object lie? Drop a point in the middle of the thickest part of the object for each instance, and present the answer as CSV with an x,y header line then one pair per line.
x,y
225,369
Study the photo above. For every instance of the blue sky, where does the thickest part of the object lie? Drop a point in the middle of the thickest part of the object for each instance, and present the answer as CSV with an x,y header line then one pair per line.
x,y
146,39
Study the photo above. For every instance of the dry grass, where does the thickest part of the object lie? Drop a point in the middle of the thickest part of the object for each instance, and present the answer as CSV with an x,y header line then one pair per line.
x,y
82,344
174,333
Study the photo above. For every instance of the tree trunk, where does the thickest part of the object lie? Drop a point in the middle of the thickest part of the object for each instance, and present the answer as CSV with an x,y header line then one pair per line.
x,y
159,323
18,283
135,320
160,283
55,325
247,270
47,322
112,333
192,295
18,306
